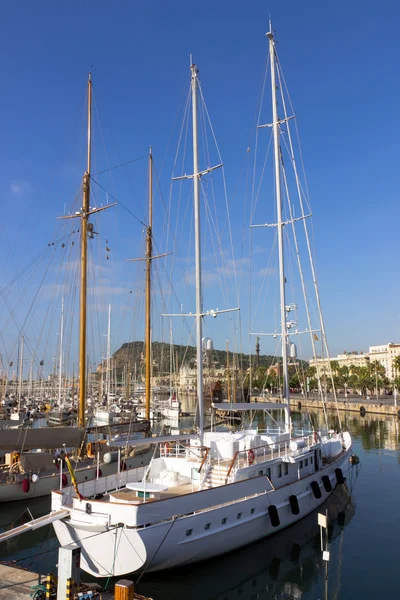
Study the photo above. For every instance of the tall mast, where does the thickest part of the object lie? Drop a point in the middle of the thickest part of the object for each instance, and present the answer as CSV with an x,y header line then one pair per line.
x,y
275,128
199,300
84,224
148,287
30,379
108,356
61,352
228,373
21,369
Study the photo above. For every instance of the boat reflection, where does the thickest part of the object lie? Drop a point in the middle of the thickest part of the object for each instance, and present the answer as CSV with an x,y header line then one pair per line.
x,y
283,566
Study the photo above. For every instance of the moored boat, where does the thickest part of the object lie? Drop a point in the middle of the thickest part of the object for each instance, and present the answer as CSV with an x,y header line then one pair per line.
x,y
211,493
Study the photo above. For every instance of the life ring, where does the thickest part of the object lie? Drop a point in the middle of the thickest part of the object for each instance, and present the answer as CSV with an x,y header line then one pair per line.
x,y
250,457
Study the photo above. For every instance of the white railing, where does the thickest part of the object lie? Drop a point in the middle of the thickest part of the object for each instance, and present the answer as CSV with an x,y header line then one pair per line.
x,y
260,454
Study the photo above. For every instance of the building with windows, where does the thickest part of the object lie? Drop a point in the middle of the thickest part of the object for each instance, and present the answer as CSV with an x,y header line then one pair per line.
x,y
384,354
348,359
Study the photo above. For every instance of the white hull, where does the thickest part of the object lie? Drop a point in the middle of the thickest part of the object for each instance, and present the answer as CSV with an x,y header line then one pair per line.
x,y
167,544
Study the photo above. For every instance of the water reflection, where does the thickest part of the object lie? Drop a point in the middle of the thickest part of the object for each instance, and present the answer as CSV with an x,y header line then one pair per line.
x,y
374,431
289,565
284,566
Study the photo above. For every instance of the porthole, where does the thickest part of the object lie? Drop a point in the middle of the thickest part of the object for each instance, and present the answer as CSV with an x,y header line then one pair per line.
x,y
207,526
253,510
239,516
189,532
224,520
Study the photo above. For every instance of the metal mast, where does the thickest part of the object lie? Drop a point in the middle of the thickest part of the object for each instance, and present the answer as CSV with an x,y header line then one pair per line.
x,y
21,369
108,356
149,250
61,353
199,300
280,225
83,291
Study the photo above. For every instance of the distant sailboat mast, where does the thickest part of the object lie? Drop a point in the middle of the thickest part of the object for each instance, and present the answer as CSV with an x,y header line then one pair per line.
x,y
61,353
108,356
21,369
278,196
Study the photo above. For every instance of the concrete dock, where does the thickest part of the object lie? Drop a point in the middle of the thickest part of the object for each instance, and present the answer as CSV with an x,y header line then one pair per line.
x,y
350,405
17,584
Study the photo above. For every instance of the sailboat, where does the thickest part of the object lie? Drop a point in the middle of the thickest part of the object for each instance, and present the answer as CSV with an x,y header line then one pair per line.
x,y
31,474
207,493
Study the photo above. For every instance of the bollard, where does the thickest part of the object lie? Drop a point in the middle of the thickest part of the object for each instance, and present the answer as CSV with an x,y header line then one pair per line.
x,y
50,579
124,590
70,589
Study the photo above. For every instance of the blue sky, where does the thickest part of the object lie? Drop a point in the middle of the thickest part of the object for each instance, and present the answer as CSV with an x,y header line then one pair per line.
x,y
339,60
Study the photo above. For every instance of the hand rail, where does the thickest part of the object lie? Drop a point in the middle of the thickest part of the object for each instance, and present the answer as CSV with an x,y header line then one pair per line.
x,y
232,463
237,453
207,449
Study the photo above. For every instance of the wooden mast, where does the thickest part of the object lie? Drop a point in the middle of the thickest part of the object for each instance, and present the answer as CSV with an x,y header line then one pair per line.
x,y
83,291
148,287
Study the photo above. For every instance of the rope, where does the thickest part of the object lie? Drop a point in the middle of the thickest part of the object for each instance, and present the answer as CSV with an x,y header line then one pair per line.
x,y
175,517
128,162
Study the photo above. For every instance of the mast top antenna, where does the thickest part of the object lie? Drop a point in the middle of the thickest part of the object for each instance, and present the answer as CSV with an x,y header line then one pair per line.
x,y
270,33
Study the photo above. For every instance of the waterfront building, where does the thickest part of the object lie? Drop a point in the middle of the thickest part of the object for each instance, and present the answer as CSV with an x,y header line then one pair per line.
x,y
348,359
384,354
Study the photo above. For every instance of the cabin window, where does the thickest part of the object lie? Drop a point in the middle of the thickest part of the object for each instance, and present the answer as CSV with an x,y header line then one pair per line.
x,y
253,510
261,472
280,470
224,520
239,516
269,472
306,462
285,468
301,464
311,460
189,532
207,526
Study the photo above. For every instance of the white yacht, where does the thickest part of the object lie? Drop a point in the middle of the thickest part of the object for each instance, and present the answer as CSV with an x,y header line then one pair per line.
x,y
212,492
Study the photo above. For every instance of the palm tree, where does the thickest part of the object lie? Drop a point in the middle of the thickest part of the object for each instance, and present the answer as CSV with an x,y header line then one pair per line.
x,y
396,381
363,380
335,367
396,364
345,378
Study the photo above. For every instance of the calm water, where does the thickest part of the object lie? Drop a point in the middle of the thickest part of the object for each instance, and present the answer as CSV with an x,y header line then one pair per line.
x,y
289,565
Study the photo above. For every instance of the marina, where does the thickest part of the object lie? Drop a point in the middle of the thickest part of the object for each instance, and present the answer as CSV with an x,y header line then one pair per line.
x,y
287,563
177,416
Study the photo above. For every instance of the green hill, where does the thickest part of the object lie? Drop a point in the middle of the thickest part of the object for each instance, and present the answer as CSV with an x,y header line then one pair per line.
x,y
130,356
